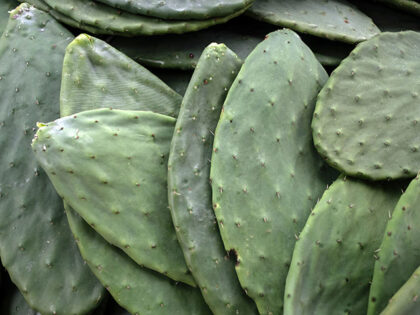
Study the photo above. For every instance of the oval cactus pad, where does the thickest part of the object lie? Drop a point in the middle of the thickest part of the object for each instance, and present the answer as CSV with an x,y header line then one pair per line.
x,y
367,118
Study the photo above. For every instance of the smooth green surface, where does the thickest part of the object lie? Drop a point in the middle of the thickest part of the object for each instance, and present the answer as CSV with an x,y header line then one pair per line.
x,y
110,79
332,19
111,167
5,7
36,244
189,189
399,254
112,21
406,300
333,259
180,9
139,290
266,175
382,75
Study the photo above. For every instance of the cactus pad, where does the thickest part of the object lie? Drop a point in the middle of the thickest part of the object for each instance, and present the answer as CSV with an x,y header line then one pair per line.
x,y
36,244
266,175
332,19
189,190
109,20
333,259
406,300
111,167
399,254
372,133
180,9
139,290
111,79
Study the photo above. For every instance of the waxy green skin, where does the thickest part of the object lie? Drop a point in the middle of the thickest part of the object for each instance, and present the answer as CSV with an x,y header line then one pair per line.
x,y
189,189
41,5
333,259
120,266
382,74
137,289
405,301
107,20
332,19
92,178
180,9
111,79
5,7
399,253
266,175
36,244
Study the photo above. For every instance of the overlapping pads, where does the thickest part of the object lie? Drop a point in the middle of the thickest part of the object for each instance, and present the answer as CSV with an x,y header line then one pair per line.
x,y
244,232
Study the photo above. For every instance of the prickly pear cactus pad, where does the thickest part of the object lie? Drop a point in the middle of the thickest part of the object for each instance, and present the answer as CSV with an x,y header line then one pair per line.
x,y
137,289
266,175
112,21
111,167
36,244
406,300
372,132
332,19
111,79
180,9
5,7
399,254
333,259
189,190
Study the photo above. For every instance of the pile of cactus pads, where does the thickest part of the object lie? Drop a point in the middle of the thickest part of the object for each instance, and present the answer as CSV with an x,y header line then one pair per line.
x,y
203,157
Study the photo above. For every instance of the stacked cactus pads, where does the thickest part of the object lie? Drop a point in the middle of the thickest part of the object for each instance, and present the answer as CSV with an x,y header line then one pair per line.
x,y
189,187
373,132
405,301
36,244
399,253
226,157
262,151
134,164
331,267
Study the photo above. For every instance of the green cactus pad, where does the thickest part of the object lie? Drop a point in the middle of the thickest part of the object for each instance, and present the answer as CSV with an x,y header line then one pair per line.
x,y
399,254
111,79
189,190
137,289
36,244
266,175
5,7
372,131
410,6
406,300
111,167
332,19
333,259
112,21
41,5
180,9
